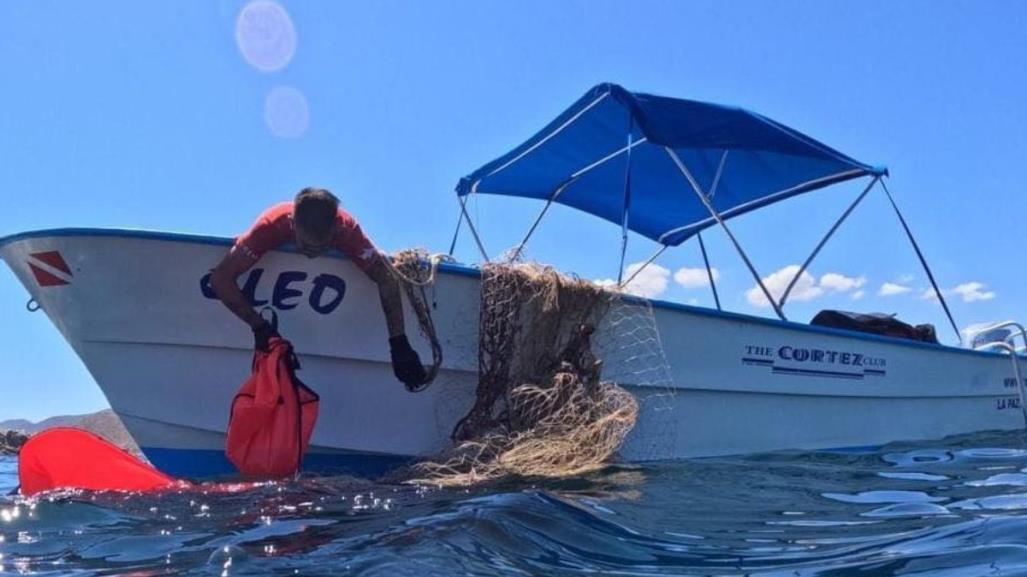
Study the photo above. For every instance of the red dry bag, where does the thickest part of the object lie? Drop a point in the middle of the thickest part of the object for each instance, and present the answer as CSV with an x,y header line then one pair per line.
x,y
272,416
65,458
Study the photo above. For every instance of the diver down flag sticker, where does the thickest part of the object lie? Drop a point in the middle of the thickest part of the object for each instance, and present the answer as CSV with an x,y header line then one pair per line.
x,y
49,268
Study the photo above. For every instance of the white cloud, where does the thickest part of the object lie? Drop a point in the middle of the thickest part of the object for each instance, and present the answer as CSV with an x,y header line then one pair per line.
x,y
858,295
973,329
805,288
649,283
969,291
973,291
906,279
841,283
890,288
695,277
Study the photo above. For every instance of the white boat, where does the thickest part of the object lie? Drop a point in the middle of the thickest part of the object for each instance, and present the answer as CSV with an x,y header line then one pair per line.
x,y
136,309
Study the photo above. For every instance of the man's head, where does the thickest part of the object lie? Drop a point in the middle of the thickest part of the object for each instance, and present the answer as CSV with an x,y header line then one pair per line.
x,y
314,216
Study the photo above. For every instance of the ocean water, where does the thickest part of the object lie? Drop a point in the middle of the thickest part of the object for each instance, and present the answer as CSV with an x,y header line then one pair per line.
x,y
952,507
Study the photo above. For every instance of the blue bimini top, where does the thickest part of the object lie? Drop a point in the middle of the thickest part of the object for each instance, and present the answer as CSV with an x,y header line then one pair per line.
x,y
637,160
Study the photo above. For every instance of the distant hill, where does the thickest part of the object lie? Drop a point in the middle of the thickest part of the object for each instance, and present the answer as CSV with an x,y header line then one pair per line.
x,y
104,423
16,425
28,427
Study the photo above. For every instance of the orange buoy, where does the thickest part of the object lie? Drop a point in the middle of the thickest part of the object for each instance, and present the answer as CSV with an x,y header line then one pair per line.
x,y
67,458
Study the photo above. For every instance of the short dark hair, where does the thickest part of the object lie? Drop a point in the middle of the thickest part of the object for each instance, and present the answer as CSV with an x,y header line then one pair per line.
x,y
314,211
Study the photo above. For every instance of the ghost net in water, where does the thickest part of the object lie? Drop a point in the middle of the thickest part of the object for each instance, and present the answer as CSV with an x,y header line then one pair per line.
x,y
542,407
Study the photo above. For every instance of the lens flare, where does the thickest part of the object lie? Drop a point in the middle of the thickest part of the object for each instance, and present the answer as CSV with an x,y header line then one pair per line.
x,y
265,35
286,113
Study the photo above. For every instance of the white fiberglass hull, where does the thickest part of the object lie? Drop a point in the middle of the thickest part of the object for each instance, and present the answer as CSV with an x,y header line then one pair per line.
x,y
169,359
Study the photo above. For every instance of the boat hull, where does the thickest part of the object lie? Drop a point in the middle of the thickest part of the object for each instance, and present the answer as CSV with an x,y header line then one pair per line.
x,y
136,309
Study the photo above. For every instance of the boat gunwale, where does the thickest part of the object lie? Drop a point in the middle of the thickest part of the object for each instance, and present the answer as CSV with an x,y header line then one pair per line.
x,y
459,269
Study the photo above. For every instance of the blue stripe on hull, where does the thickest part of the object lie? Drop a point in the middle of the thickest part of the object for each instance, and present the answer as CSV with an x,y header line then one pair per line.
x,y
204,463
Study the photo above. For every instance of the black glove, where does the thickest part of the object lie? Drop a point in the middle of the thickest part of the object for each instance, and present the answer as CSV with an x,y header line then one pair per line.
x,y
262,335
406,365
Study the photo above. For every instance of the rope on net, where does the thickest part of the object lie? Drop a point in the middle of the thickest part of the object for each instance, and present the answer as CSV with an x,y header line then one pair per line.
x,y
415,270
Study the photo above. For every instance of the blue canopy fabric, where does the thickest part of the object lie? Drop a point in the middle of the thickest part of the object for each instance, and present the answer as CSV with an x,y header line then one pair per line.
x,y
635,159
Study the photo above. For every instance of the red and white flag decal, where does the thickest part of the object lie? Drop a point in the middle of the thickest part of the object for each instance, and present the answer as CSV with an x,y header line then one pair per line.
x,y
49,268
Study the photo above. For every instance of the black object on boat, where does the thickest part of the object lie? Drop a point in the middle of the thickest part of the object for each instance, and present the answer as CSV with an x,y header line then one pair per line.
x,y
875,323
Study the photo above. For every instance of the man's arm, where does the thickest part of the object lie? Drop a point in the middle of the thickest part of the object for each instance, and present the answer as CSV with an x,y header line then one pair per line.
x,y
224,282
388,291
406,365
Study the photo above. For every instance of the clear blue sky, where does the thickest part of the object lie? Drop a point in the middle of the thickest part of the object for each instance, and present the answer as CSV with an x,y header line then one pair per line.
x,y
149,115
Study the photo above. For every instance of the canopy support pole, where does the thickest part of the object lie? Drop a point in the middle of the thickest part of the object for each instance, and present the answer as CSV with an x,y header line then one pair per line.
x,y
538,219
716,215
474,232
623,249
823,241
702,245
456,233
627,205
534,225
645,264
709,271
923,262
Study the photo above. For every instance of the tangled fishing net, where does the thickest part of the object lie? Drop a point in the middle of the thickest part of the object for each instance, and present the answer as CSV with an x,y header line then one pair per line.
x,y
542,407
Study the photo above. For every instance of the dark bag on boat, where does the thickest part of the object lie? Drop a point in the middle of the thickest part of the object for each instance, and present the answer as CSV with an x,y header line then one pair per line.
x,y
272,417
875,323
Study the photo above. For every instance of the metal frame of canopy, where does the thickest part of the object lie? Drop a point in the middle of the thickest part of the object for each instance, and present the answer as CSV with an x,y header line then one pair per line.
x,y
705,198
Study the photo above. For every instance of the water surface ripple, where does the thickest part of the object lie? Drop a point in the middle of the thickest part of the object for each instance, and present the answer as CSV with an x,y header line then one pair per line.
x,y
952,507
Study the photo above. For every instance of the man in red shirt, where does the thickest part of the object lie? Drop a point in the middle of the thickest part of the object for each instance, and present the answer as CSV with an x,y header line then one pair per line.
x,y
314,223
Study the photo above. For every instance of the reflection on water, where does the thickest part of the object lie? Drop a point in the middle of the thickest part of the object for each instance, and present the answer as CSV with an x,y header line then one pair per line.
x,y
942,508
